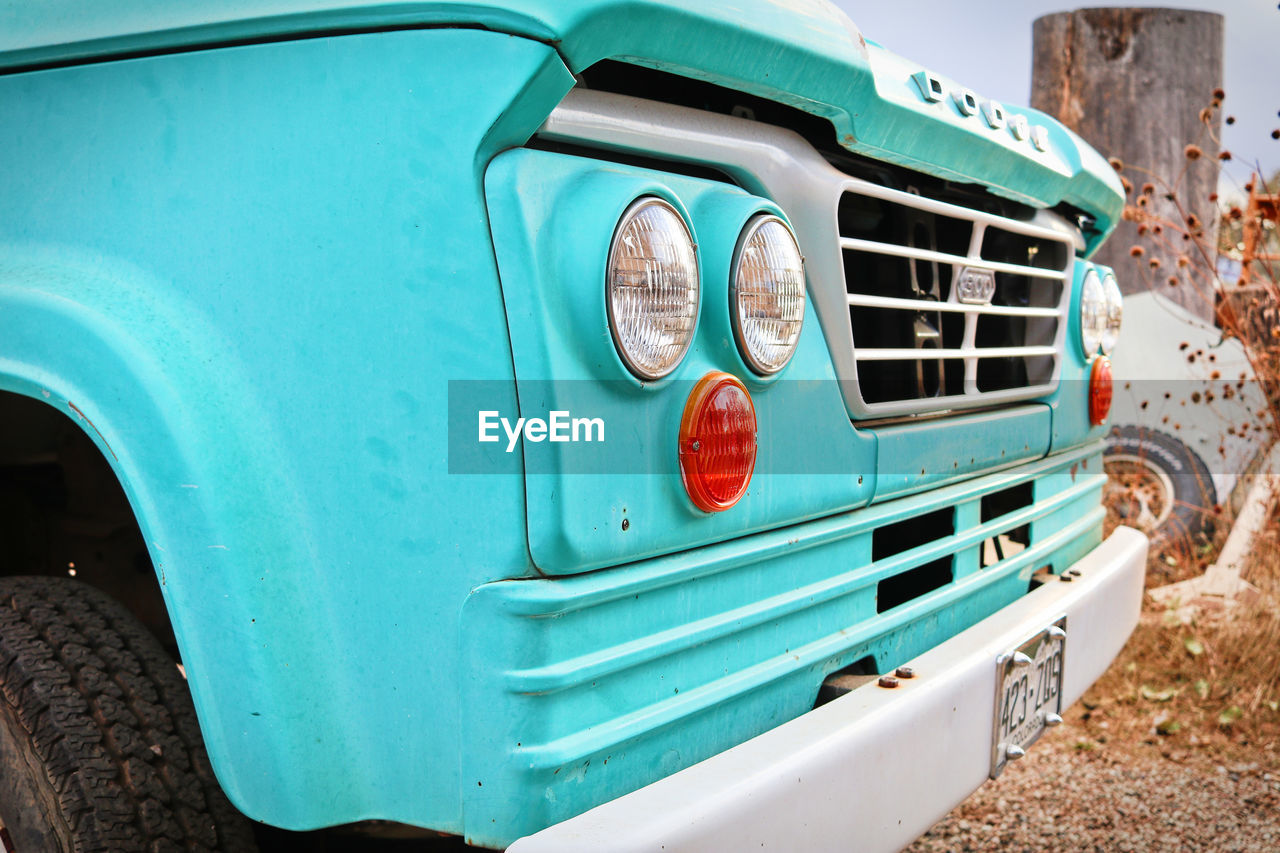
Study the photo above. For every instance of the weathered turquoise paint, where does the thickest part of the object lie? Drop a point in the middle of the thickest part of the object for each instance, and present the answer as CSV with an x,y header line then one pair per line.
x,y
252,272
805,53
585,687
914,457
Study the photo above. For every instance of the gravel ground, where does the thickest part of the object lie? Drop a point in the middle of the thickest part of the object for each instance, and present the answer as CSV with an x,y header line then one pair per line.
x,y
1062,799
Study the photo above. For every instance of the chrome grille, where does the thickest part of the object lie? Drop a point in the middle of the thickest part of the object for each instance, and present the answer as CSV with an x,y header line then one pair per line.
x,y
913,338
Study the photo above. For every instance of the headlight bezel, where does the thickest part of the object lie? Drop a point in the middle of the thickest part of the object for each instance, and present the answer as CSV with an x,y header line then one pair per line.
x,y
745,337
1114,314
1091,314
624,340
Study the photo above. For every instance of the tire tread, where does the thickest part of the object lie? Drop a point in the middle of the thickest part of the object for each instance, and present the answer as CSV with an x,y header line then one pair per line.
x,y
111,720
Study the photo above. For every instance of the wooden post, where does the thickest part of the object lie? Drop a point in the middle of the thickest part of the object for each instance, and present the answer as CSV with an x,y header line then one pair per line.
x,y
1133,83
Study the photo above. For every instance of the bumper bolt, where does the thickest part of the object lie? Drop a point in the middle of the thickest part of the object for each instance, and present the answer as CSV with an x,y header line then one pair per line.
x,y
888,681
1065,578
905,672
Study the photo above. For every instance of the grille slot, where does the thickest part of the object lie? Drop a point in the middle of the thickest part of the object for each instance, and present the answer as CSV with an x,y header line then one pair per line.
x,y
1015,540
913,338
900,537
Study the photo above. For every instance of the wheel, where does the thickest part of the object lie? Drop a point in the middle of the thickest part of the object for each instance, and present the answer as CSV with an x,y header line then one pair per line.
x,y
1158,485
99,746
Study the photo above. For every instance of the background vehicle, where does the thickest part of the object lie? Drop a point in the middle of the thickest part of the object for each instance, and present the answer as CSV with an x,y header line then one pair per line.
x,y
265,279
1186,421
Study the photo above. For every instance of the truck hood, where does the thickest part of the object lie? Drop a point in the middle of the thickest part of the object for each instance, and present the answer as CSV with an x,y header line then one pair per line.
x,y
804,53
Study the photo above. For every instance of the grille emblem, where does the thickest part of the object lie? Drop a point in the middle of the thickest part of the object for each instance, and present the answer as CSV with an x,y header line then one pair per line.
x,y
975,286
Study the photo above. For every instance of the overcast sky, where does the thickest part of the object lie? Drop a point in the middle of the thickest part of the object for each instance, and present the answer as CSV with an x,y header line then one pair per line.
x,y
987,47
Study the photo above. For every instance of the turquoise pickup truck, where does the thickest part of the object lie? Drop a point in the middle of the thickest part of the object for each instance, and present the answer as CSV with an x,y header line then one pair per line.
x,y
567,424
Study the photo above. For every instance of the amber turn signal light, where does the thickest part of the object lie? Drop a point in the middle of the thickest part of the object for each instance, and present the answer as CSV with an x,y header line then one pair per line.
x,y
717,442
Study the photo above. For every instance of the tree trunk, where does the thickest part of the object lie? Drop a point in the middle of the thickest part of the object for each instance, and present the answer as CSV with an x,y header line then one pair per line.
x,y
1133,83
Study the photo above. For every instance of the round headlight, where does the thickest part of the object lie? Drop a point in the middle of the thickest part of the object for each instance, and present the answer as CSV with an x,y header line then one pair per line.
x,y
767,294
1115,313
652,288
1093,314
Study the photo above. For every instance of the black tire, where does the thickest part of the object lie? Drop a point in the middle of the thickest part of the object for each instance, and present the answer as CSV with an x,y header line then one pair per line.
x,y
99,746
1139,459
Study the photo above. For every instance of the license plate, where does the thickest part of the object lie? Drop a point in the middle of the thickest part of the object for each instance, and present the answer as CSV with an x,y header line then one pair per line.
x,y
1028,694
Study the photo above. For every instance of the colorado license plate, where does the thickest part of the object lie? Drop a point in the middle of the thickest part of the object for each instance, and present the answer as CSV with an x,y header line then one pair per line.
x,y
1028,694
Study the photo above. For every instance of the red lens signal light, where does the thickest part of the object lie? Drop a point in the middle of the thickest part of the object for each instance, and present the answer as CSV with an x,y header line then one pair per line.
x,y
717,442
1100,391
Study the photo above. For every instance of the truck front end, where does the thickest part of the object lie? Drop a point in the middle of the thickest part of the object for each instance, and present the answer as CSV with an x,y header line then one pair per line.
x,y
592,425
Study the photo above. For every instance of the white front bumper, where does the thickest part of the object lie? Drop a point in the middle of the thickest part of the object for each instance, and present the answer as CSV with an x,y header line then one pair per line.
x,y
875,768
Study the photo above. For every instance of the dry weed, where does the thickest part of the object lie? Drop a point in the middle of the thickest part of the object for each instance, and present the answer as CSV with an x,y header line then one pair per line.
x,y
1211,686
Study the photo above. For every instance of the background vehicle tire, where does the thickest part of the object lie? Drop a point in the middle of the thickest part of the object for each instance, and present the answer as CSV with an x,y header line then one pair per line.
x,y
1158,485
99,746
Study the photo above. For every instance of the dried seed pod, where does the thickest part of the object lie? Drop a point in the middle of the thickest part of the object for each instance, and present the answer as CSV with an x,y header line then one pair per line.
x,y
1194,151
